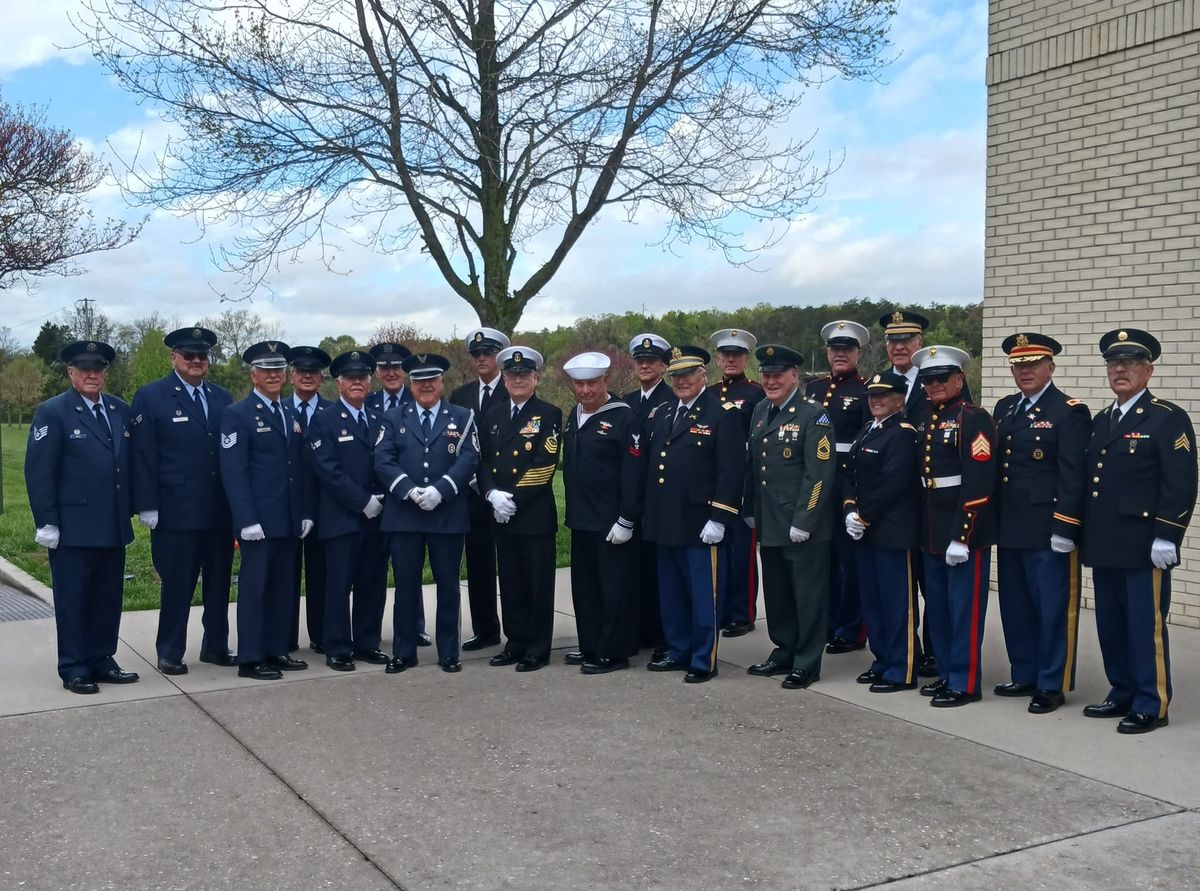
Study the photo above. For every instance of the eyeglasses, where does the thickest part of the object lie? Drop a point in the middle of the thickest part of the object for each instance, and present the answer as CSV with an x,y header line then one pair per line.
x,y
1129,362
937,378
193,357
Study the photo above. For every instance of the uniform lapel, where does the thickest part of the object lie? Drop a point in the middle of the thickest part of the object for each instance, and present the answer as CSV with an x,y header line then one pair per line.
x,y
695,416
94,425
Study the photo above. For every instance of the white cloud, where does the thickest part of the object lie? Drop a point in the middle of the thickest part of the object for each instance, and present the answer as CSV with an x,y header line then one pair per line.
x,y
37,32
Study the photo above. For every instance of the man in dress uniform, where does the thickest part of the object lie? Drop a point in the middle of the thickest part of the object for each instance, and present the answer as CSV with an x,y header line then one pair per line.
x,y
957,445
77,477
739,604
843,395
177,494
426,455
1044,434
604,476
307,374
696,467
1142,461
349,500
389,368
518,457
262,470
791,490
650,355
483,344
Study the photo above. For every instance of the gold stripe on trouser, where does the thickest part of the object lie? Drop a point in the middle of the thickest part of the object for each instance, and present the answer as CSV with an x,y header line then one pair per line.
x,y
912,616
1160,655
1072,621
712,657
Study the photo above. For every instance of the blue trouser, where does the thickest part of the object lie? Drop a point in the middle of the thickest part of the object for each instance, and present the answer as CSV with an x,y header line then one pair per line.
x,y
1131,622
889,608
690,584
1039,609
845,610
88,584
956,606
408,559
354,563
266,586
310,566
181,558
739,603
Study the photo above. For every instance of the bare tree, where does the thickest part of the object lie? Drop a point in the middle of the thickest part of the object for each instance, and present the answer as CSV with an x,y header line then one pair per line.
x,y
237,329
45,224
471,126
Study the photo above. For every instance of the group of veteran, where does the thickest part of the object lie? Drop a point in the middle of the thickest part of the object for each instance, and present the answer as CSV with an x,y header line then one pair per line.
x,y
856,494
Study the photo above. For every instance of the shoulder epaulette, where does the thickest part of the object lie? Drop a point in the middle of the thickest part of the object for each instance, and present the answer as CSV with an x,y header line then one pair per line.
x,y
1162,403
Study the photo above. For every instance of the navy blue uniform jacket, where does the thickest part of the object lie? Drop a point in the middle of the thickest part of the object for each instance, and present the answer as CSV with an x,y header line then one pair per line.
x,y
264,474
880,483
520,456
342,459
603,468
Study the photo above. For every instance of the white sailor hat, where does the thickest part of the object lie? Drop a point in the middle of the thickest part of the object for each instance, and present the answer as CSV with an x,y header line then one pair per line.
x,y
649,346
935,360
486,339
845,333
520,358
733,340
587,366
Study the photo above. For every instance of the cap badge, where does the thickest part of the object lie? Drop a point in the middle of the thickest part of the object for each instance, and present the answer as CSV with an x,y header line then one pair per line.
x,y
878,379
518,357
91,347
478,336
308,351
841,325
770,351
271,346
1121,335
676,353
897,317
646,343
733,333
196,332
1022,340
387,348
933,351
354,355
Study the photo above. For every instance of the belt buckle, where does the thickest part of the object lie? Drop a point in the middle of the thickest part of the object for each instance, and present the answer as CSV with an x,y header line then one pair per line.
x,y
931,483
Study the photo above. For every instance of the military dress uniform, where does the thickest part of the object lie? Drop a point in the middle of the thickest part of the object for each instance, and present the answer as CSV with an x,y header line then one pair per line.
x,y
957,461
341,453
177,476
389,353
1041,493
77,475
432,448
879,486
519,456
1139,498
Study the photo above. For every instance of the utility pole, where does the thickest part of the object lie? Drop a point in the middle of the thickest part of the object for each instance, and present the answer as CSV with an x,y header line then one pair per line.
x,y
87,318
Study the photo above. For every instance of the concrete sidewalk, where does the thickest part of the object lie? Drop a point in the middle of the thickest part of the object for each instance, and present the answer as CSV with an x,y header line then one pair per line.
x,y
492,779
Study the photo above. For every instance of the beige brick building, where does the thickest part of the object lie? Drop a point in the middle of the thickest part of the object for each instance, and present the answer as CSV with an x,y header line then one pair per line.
x,y
1093,197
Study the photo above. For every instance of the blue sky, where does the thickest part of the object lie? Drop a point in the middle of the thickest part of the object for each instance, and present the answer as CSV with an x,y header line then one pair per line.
x,y
902,218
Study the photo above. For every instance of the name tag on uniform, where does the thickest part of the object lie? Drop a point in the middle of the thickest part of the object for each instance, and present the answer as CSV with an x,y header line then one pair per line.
x,y
345,439
180,420
264,430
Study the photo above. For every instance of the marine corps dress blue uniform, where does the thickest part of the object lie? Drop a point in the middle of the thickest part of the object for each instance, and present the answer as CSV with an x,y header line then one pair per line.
x,y
77,479
1140,495
1040,509
177,484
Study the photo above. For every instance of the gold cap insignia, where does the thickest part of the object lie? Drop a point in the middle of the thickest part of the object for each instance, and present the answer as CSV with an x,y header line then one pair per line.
x,y
878,379
1022,340
646,342
478,336
897,317
841,325
676,353
933,351
733,333
518,356
1121,335
770,351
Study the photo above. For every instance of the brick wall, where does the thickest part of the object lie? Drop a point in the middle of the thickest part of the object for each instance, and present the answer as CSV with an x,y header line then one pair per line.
x,y
1093,198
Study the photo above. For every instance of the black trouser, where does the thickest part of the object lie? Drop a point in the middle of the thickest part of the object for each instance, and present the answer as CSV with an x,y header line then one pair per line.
x,y
88,585
180,559
266,582
526,564
604,595
650,631
358,563
481,569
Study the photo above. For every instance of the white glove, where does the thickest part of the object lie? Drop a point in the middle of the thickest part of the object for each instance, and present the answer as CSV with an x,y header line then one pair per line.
x,y
430,498
855,527
414,494
798,536
47,537
712,533
148,518
501,518
749,521
619,534
253,533
503,504
306,526
956,553
1060,544
374,507
1163,554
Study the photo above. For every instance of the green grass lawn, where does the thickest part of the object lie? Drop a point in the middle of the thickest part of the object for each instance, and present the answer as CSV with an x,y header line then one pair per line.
x,y
141,582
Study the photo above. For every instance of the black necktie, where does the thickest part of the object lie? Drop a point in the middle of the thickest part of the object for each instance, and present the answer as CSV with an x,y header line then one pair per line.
x,y
680,419
103,419
1024,406
303,415
516,410
485,397
426,424
362,422
279,417
391,402
199,403
772,413
1114,420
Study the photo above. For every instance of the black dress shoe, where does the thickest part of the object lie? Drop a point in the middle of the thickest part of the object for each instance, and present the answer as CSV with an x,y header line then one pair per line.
x,y
699,677
81,685
737,629
374,657
1046,701
933,689
603,665
953,698
927,667
885,686
166,666
575,657
480,643
1105,709
451,666
259,671
658,654
116,676
665,664
769,668
504,657
316,648
286,663
423,639
1014,689
870,676
798,680
396,664
224,658
532,663
842,645
1141,722
340,663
